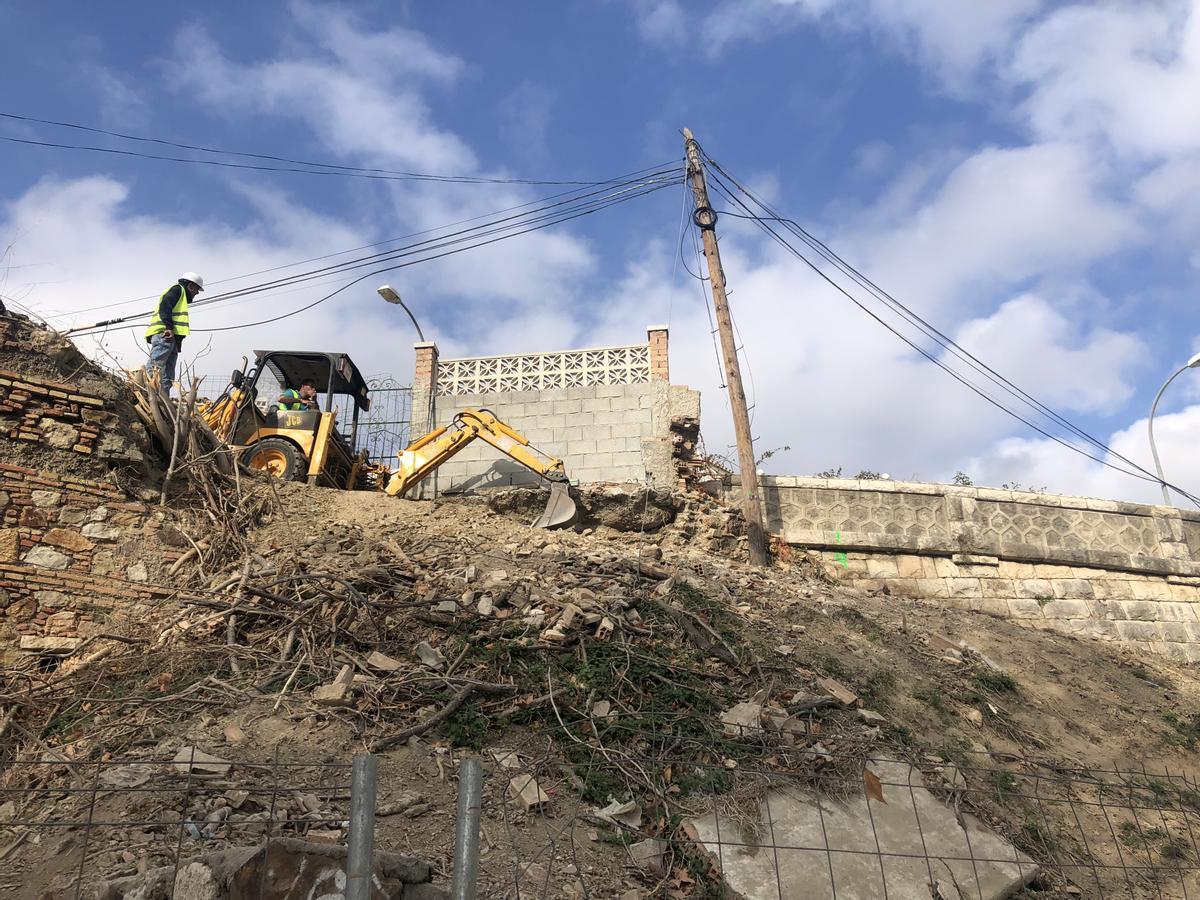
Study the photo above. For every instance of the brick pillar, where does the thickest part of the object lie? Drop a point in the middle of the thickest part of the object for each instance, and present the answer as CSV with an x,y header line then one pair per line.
x,y
660,366
424,406
424,388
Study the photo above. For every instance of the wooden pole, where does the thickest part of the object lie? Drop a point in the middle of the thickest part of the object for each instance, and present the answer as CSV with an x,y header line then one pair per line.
x,y
706,220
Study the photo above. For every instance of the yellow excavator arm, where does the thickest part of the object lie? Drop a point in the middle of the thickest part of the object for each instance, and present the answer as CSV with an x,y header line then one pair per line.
x,y
425,454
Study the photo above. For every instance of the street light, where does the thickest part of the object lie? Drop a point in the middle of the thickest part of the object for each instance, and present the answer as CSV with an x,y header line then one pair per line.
x,y
390,295
1192,363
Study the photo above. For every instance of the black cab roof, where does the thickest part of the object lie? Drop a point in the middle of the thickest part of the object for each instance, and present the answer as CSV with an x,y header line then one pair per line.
x,y
333,373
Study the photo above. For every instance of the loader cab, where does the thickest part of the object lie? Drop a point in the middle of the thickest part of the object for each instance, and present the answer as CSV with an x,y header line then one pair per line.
x,y
316,445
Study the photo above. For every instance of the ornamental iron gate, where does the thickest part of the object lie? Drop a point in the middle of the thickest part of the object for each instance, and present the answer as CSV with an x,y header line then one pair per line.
x,y
383,431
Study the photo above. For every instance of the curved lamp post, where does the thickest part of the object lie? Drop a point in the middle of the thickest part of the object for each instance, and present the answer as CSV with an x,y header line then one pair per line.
x,y
1192,363
388,294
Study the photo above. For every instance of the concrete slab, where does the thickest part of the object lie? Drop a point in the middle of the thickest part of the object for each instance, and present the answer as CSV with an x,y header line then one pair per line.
x,y
862,849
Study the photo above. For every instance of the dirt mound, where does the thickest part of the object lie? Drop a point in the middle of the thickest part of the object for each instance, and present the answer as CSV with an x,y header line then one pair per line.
x,y
643,668
61,412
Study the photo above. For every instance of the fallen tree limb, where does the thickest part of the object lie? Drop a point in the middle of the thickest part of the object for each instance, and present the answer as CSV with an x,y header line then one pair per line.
x,y
441,715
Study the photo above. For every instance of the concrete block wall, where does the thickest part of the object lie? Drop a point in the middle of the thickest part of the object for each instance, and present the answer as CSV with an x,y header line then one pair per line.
x,y
1125,572
597,431
616,428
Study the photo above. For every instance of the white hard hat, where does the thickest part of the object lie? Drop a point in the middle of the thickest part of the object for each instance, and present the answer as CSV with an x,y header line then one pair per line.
x,y
197,280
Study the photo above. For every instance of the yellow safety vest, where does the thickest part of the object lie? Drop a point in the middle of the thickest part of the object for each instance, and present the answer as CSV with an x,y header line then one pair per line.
x,y
179,315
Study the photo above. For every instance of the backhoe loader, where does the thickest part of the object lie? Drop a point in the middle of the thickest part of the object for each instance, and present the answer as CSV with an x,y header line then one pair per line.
x,y
425,454
306,444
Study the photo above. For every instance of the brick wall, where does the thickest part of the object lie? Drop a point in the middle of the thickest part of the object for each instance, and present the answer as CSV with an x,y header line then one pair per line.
x,y
76,558
1120,571
610,414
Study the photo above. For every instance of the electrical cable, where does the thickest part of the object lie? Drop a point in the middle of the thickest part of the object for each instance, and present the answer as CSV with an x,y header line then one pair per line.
x,y
762,223
547,224
618,179
534,224
348,171
656,180
937,336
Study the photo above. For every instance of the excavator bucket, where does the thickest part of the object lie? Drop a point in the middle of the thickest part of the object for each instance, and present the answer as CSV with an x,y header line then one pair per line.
x,y
560,508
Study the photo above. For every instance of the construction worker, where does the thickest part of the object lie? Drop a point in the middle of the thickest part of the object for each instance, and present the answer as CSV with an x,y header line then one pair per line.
x,y
305,398
168,328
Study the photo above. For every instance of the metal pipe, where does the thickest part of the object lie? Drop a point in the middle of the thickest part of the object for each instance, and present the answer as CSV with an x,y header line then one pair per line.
x,y
466,837
362,828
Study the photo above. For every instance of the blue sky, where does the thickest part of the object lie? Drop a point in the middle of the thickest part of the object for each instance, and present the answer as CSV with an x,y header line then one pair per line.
x,y
1025,175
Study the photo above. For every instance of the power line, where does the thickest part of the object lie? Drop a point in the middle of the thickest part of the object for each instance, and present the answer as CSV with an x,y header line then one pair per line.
x,y
472,241
647,172
336,169
504,223
762,222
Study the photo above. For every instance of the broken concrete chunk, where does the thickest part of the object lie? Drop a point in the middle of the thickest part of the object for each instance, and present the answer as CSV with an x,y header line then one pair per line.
x,y
648,854
199,763
336,694
605,629
448,607
507,759
526,791
383,662
743,719
602,709
485,607
628,813
567,617
429,655
869,715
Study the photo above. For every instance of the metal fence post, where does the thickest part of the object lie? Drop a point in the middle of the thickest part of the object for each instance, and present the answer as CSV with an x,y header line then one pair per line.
x,y
466,837
362,828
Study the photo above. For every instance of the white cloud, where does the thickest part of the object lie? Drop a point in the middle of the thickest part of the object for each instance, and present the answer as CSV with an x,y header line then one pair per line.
x,y
1039,463
1127,74
356,106
1049,356
661,21
1000,217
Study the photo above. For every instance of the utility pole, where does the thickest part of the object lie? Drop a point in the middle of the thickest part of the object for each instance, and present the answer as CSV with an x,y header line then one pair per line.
x,y
706,220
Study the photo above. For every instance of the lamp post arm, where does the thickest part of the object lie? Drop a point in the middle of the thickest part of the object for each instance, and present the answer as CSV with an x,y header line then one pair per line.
x,y
414,319
1150,427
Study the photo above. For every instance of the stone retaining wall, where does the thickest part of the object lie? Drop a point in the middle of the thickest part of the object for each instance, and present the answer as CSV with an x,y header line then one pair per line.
x,y
76,559
1127,572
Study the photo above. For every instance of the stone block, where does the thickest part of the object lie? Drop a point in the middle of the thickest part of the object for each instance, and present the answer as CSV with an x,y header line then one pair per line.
x,y
882,567
1175,631
45,498
1141,610
67,539
1182,612
1149,589
1072,588
598,460
1140,631
992,606
909,566
945,568
933,588
997,587
1066,609
1022,608
10,544
567,407
1034,588
963,587
101,531
47,558
596,404
1113,589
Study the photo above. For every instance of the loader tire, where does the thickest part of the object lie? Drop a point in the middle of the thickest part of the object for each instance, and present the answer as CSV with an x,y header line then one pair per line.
x,y
277,457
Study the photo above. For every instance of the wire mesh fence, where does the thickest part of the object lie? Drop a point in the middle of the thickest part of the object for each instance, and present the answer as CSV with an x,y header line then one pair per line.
x,y
560,825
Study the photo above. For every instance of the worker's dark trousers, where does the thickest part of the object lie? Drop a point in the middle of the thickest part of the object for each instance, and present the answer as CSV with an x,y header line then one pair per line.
x,y
164,353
